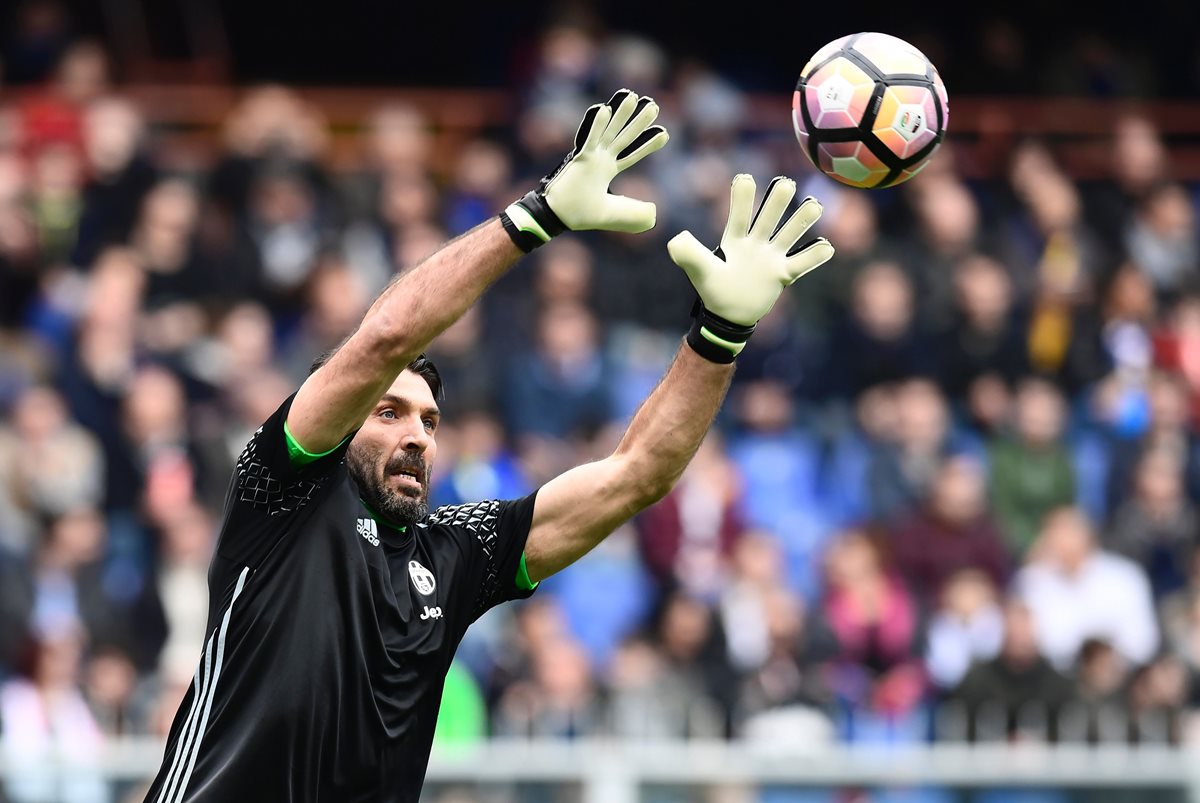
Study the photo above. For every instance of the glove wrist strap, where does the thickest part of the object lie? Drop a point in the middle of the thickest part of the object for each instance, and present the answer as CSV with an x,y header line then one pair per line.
x,y
714,338
530,222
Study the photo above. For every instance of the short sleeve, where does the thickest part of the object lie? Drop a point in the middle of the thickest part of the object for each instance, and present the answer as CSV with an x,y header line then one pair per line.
x,y
269,488
494,533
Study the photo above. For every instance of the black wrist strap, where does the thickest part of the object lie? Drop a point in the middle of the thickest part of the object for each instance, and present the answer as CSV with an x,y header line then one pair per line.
x,y
714,338
530,222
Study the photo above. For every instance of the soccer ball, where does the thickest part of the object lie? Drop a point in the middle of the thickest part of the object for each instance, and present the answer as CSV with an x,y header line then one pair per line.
x,y
869,110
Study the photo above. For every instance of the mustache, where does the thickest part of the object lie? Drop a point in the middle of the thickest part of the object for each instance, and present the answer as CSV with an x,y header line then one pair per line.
x,y
407,461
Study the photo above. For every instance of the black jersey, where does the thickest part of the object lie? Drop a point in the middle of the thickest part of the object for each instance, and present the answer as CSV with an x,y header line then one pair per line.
x,y
329,635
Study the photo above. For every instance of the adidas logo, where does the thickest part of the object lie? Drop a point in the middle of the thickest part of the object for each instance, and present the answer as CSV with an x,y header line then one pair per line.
x,y
369,530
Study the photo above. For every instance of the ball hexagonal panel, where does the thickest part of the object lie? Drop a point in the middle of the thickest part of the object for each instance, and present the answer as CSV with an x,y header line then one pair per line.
x,y
905,175
907,119
824,53
798,120
851,163
838,94
891,56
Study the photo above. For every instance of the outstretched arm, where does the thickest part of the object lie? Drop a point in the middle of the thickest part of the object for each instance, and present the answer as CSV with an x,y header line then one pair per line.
x,y
413,310
737,285
578,509
419,305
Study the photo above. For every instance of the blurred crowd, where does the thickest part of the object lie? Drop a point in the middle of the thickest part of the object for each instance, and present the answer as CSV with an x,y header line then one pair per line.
x,y
953,493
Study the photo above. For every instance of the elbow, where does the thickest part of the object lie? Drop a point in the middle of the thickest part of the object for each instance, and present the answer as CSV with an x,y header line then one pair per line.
x,y
388,342
649,484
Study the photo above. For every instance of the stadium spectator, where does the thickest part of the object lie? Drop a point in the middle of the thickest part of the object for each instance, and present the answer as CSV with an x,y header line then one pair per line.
x,y
948,231
693,648
480,185
875,674
44,712
110,685
270,124
64,586
1158,527
1158,694
1169,430
49,466
185,547
687,538
983,342
902,469
852,219
162,240
784,699
1077,591
336,298
952,531
648,701
462,716
639,288
966,628
1031,470
1163,240
560,387
477,461
560,700
756,570
1099,712
999,698
55,198
243,347
120,173
880,342
778,465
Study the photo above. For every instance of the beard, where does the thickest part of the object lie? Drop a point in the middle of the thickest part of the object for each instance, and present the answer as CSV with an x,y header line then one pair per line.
x,y
370,471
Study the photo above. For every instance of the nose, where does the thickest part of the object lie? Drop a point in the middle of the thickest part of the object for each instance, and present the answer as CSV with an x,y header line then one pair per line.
x,y
415,437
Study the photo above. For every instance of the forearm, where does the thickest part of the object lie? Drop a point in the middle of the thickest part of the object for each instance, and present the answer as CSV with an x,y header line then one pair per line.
x,y
669,426
578,509
420,304
412,311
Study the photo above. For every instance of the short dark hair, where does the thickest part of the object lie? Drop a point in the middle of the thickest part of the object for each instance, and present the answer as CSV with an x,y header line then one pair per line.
x,y
422,366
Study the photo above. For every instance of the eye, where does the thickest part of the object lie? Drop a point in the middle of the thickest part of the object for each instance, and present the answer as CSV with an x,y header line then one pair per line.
x,y
430,424
388,413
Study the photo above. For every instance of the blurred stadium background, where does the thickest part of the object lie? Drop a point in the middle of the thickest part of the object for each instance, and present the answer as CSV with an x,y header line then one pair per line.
x,y
942,546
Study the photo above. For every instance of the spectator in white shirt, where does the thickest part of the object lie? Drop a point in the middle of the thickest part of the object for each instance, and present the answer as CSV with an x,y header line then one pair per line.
x,y
1077,591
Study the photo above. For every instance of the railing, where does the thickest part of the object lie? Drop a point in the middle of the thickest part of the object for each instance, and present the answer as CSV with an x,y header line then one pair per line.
x,y
187,119
620,772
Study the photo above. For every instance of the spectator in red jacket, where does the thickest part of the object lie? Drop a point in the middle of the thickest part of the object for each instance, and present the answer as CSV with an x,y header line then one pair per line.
x,y
953,530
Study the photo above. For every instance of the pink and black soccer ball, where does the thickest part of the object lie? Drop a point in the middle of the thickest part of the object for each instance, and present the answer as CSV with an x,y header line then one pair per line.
x,y
870,110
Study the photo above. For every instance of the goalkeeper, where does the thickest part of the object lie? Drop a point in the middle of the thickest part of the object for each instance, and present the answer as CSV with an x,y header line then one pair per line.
x,y
336,598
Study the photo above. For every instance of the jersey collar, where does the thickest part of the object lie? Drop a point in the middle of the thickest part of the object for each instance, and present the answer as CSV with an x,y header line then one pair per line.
x,y
397,527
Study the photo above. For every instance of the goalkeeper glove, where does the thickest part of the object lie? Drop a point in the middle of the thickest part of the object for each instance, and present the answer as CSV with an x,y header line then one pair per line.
x,y
613,136
739,282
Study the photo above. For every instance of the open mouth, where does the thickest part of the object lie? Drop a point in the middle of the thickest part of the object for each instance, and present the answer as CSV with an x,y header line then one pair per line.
x,y
408,477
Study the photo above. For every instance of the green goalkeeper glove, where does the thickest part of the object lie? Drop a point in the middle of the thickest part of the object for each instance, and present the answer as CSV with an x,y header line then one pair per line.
x,y
758,257
613,136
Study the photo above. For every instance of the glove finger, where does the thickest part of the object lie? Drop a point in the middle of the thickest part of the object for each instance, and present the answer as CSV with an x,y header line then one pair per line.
x,y
690,254
801,221
741,207
780,193
643,115
628,214
812,256
592,127
647,142
623,111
